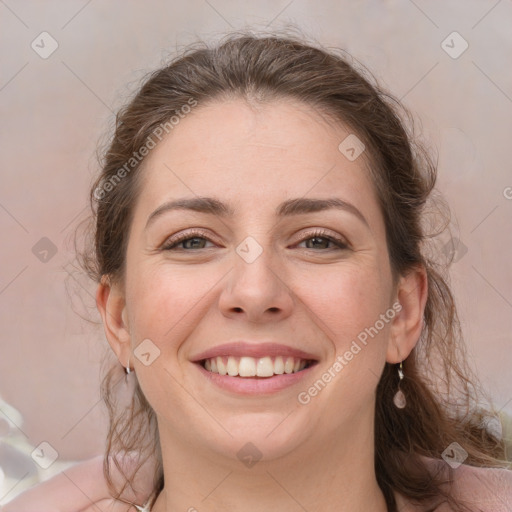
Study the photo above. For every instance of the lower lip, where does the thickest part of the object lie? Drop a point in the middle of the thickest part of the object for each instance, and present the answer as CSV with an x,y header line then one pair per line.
x,y
255,385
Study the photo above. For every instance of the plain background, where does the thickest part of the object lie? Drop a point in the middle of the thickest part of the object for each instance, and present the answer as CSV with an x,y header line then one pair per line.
x,y
54,112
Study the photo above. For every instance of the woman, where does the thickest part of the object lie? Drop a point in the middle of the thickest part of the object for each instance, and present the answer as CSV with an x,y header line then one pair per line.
x,y
265,281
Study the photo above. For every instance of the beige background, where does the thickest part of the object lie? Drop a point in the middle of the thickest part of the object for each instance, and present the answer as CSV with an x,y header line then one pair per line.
x,y
54,110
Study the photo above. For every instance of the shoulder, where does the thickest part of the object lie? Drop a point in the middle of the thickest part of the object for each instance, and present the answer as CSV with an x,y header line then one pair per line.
x,y
488,489
481,489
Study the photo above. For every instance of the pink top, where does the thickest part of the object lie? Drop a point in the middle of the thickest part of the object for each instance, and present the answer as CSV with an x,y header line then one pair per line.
x,y
486,489
489,488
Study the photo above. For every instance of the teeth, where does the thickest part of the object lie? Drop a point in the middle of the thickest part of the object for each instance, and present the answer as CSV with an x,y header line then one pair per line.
x,y
288,366
221,367
232,367
247,367
265,367
254,367
279,365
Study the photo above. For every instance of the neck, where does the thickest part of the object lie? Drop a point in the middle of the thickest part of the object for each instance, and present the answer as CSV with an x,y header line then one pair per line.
x,y
330,475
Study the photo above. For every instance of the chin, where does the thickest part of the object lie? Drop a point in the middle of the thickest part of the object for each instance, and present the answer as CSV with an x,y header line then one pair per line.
x,y
259,436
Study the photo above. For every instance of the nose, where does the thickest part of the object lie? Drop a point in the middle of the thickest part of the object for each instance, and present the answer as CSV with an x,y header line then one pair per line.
x,y
256,289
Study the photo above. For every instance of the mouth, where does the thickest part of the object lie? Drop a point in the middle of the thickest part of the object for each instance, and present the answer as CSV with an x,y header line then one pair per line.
x,y
262,368
255,367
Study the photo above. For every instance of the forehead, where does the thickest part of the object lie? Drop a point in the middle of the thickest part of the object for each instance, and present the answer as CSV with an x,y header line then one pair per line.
x,y
255,155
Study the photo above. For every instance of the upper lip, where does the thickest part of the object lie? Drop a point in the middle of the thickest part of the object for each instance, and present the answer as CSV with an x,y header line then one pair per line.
x,y
256,350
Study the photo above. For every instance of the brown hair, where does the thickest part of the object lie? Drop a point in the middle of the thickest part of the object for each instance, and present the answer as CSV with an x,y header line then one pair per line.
x,y
440,388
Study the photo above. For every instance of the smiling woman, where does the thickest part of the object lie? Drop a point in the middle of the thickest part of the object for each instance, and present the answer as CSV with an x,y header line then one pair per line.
x,y
271,246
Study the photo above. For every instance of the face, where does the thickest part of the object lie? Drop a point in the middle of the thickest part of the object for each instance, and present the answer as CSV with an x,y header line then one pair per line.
x,y
266,276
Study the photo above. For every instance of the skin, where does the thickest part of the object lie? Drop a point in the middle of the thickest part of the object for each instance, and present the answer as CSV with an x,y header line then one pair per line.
x,y
311,295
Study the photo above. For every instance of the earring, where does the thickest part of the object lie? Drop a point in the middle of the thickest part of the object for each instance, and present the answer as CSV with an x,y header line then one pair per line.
x,y
127,369
129,383
399,398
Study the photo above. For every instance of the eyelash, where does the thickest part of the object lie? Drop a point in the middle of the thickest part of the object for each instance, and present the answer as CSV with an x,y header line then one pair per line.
x,y
318,233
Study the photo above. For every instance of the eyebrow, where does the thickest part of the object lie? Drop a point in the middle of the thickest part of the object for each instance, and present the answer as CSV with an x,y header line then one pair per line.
x,y
299,206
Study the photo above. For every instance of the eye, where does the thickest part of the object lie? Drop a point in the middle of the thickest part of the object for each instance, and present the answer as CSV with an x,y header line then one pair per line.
x,y
196,239
321,238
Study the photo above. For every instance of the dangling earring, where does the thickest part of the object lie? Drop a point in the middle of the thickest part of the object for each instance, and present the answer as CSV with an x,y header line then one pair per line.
x,y
399,398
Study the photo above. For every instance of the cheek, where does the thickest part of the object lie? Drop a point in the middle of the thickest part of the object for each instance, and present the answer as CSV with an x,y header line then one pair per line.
x,y
349,304
346,301
167,304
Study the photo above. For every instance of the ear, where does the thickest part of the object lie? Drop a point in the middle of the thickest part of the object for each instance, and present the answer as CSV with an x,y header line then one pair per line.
x,y
111,304
412,291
